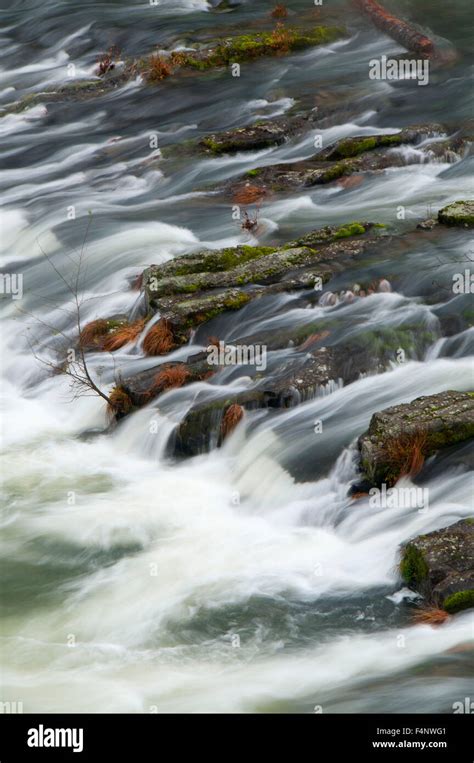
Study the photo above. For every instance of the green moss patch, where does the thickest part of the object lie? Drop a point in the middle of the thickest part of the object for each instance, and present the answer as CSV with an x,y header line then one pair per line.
x,y
202,311
355,146
413,566
213,145
336,171
224,259
353,229
458,213
459,601
248,46
329,234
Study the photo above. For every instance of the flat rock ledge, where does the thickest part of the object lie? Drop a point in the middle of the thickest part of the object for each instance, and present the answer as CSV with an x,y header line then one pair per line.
x,y
404,434
192,289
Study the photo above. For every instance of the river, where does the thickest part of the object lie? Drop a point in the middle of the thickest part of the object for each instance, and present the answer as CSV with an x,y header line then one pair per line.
x,y
243,579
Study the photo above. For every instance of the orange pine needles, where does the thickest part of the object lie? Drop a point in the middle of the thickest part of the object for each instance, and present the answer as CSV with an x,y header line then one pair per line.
x,y
281,39
160,339
313,338
171,377
249,194
101,335
231,418
123,335
430,616
92,333
279,12
158,69
406,454
119,402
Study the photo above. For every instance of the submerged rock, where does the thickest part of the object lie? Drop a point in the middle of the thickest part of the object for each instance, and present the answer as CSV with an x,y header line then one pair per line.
x,y
440,566
459,213
270,132
78,90
223,6
401,437
244,139
298,379
205,56
351,147
347,157
428,224
201,428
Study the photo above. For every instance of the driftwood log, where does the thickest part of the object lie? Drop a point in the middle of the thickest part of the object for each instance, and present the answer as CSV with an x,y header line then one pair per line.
x,y
399,30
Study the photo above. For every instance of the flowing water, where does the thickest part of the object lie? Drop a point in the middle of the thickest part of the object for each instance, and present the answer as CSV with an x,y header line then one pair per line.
x,y
244,579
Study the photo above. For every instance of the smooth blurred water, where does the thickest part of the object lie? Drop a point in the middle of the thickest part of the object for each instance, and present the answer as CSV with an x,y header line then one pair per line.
x,y
243,580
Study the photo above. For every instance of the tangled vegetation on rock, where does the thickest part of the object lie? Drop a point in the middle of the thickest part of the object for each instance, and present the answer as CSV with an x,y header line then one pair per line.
x,y
439,566
110,334
120,403
159,339
232,416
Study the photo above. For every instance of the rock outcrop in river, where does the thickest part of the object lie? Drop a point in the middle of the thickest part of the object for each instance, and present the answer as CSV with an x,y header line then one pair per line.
x,y
200,321
440,566
192,289
351,156
203,57
401,437
459,213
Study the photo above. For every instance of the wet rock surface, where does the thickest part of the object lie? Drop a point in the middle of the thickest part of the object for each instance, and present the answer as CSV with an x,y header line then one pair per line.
x,y
260,135
355,156
200,57
191,290
459,213
440,566
428,424
297,379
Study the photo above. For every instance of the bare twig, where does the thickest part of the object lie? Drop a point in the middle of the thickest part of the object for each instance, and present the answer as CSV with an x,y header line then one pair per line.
x,y
76,369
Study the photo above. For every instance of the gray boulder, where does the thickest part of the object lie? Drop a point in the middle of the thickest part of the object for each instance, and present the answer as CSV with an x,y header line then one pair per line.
x,y
401,437
440,566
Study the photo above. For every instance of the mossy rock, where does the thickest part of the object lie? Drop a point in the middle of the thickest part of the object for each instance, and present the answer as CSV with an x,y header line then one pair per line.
x,y
330,234
216,278
441,420
251,138
350,156
353,147
413,567
440,566
456,602
253,45
459,213
259,268
259,135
